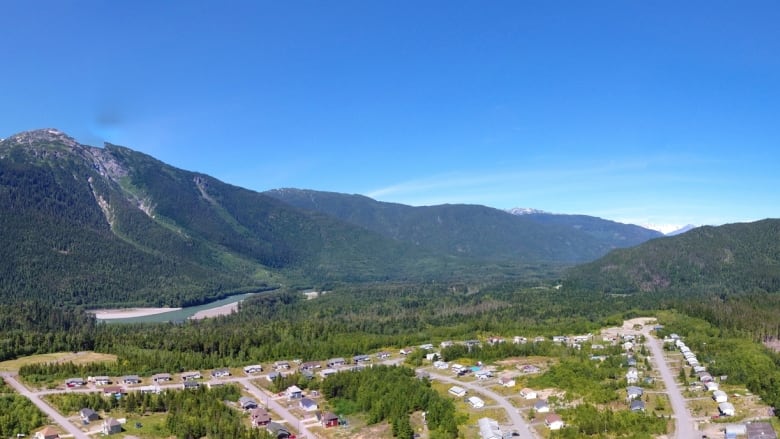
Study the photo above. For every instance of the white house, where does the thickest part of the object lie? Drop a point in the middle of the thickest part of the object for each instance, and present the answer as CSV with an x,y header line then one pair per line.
x,y
483,375
506,381
476,402
489,429
553,421
255,368
441,365
457,391
527,393
720,396
542,406
726,409
632,376
711,386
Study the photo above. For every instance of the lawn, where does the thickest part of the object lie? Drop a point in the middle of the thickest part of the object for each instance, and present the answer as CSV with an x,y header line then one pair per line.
x,y
58,357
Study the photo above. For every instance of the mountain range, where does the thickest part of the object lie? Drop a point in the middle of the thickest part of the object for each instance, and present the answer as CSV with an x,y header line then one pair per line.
x,y
112,226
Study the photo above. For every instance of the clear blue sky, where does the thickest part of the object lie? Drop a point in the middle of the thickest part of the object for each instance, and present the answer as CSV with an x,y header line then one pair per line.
x,y
663,112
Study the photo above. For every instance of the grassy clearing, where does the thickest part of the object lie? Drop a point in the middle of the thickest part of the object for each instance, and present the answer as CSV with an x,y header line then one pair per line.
x,y
58,357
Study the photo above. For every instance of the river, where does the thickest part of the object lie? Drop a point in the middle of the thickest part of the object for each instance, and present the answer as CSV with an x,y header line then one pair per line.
x,y
180,315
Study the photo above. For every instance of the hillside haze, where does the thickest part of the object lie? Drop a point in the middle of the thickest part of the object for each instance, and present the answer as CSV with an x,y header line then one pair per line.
x,y
477,231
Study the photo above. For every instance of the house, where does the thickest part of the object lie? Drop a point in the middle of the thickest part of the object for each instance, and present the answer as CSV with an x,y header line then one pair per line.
x,y
161,377
432,356
406,351
294,392
131,379
47,433
383,355
637,405
446,344
475,402
734,430
336,362
539,339
634,392
597,347
711,386
726,408
361,359
720,396
213,384
189,376
471,343
495,340
426,347
631,361
114,390
260,417
111,426
542,406
489,429
277,430
310,365
483,375
88,415
553,421
247,403
527,393
457,391
220,373
441,365
519,340
308,404
101,380
698,369
148,389
627,346
632,376
191,385
762,430
457,367
324,373
281,365
704,377
75,382
254,368
506,381
329,419
273,375
530,368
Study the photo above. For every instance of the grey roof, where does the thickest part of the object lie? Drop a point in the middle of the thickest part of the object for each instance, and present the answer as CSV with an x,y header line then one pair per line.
x,y
762,430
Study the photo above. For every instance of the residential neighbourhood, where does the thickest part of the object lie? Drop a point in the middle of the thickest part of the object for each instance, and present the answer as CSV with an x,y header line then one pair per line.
x,y
474,386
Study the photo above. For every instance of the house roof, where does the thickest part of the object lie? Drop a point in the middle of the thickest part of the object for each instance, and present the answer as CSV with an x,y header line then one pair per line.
x,y
307,402
111,422
260,414
637,404
49,432
329,416
634,390
553,417
761,430
541,403
87,412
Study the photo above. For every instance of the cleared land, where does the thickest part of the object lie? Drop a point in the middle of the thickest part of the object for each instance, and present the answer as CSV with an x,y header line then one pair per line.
x,y
58,357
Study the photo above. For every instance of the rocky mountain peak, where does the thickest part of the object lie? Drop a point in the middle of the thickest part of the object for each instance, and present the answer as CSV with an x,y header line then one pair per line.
x,y
44,135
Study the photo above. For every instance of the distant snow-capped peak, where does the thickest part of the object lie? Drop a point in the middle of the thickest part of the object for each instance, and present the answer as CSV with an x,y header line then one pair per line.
x,y
669,229
524,211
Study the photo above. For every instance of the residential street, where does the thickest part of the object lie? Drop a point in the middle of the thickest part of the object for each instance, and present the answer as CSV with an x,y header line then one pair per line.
x,y
684,425
262,397
518,422
66,425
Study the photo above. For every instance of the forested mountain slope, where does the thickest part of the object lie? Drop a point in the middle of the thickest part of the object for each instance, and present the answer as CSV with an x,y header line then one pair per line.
x,y
477,231
740,258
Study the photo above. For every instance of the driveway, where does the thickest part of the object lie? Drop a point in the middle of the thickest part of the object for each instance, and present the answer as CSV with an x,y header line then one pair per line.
x,y
518,422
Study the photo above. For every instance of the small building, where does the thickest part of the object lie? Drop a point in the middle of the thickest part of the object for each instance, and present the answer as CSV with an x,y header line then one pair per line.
x,y
542,406
711,386
111,426
329,419
192,375
632,376
527,393
720,396
357,359
489,429
483,375
441,365
457,391
88,415
148,389
252,369
426,347
114,390
47,433
294,392
519,340
101,380
281,365
726,409
260,417
220,373
734,430
190,385
760,430
637,405
446,344
530,368
310,365
475,402
161,377
308,404
383,355
553,421
336,362
247,403
131,379
324,373
634,392
506,381
278,431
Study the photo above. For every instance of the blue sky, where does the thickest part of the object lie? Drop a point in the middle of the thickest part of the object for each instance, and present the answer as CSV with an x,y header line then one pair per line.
x,y
659,113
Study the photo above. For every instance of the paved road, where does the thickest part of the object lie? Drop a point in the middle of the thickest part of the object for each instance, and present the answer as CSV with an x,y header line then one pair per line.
x,y
520,425
684,425
46,408
262,396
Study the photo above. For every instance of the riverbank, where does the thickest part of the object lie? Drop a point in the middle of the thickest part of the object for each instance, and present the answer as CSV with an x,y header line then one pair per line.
x,y
224,310
127,313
